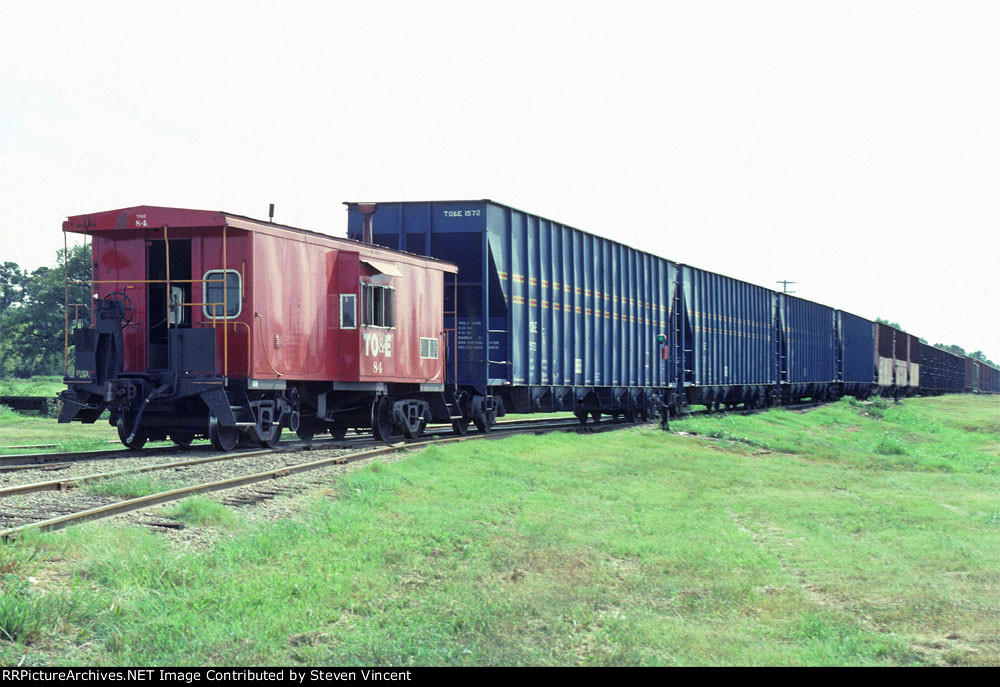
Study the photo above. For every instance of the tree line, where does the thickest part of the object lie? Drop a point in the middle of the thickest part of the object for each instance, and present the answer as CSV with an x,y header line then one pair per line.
x,y
32,313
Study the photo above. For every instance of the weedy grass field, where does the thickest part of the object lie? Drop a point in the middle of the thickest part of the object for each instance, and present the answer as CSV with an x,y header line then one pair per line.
x,y
32,428
41,385
853,534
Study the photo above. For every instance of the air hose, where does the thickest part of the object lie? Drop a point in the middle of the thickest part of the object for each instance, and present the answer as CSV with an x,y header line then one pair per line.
x,y
138,417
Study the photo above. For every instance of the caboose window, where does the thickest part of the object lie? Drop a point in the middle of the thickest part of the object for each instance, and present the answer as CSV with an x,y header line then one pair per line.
x,y
213,294
348,311
378,306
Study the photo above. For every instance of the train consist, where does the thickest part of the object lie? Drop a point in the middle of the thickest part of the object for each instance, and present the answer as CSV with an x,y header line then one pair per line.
x,y
553,318
213,324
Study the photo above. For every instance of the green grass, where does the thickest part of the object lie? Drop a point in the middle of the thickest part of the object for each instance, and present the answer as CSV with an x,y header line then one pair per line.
x,y
790,539
20,429
31,386
30,428
129,486
27,612
198,510
947,433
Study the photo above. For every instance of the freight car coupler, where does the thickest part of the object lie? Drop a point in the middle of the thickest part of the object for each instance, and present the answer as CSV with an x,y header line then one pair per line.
x,y
119,390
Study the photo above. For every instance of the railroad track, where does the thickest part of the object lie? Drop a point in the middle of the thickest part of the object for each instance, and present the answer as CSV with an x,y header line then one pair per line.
x,y
72,481
33,459
30,460
56,514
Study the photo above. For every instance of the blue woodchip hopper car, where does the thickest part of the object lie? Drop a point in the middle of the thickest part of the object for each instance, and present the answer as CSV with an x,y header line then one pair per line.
x,y
546,317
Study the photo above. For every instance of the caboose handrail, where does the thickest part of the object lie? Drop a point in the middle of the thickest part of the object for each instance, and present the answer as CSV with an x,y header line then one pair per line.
x,y
126,283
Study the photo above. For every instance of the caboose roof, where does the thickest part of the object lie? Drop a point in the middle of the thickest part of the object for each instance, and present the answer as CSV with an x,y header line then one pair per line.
x,y
155,217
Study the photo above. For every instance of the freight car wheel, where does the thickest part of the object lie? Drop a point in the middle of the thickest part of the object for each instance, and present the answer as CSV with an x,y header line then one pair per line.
x,y
222,438
306,430
338,432
124,426
382,418
461,427
485,422
581,415
411,433
182,439
272,437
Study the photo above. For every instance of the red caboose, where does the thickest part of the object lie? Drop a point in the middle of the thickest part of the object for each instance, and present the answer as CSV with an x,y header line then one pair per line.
x,y
209,323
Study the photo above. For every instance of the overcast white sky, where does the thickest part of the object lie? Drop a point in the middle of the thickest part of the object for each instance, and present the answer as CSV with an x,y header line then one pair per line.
x,y
853,147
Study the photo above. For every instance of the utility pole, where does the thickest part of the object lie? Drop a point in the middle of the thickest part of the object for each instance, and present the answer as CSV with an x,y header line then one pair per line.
x,y
784,285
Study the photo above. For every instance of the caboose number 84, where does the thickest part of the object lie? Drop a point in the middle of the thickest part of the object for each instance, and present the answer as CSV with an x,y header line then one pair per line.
x,y
211,324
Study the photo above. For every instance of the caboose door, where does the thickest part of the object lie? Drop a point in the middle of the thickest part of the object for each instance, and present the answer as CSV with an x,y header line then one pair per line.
x,y
162,311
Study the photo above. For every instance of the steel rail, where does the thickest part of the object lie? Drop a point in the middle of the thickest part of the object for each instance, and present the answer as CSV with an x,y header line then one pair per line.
x,y
35,466
41,459
73,482
27,446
